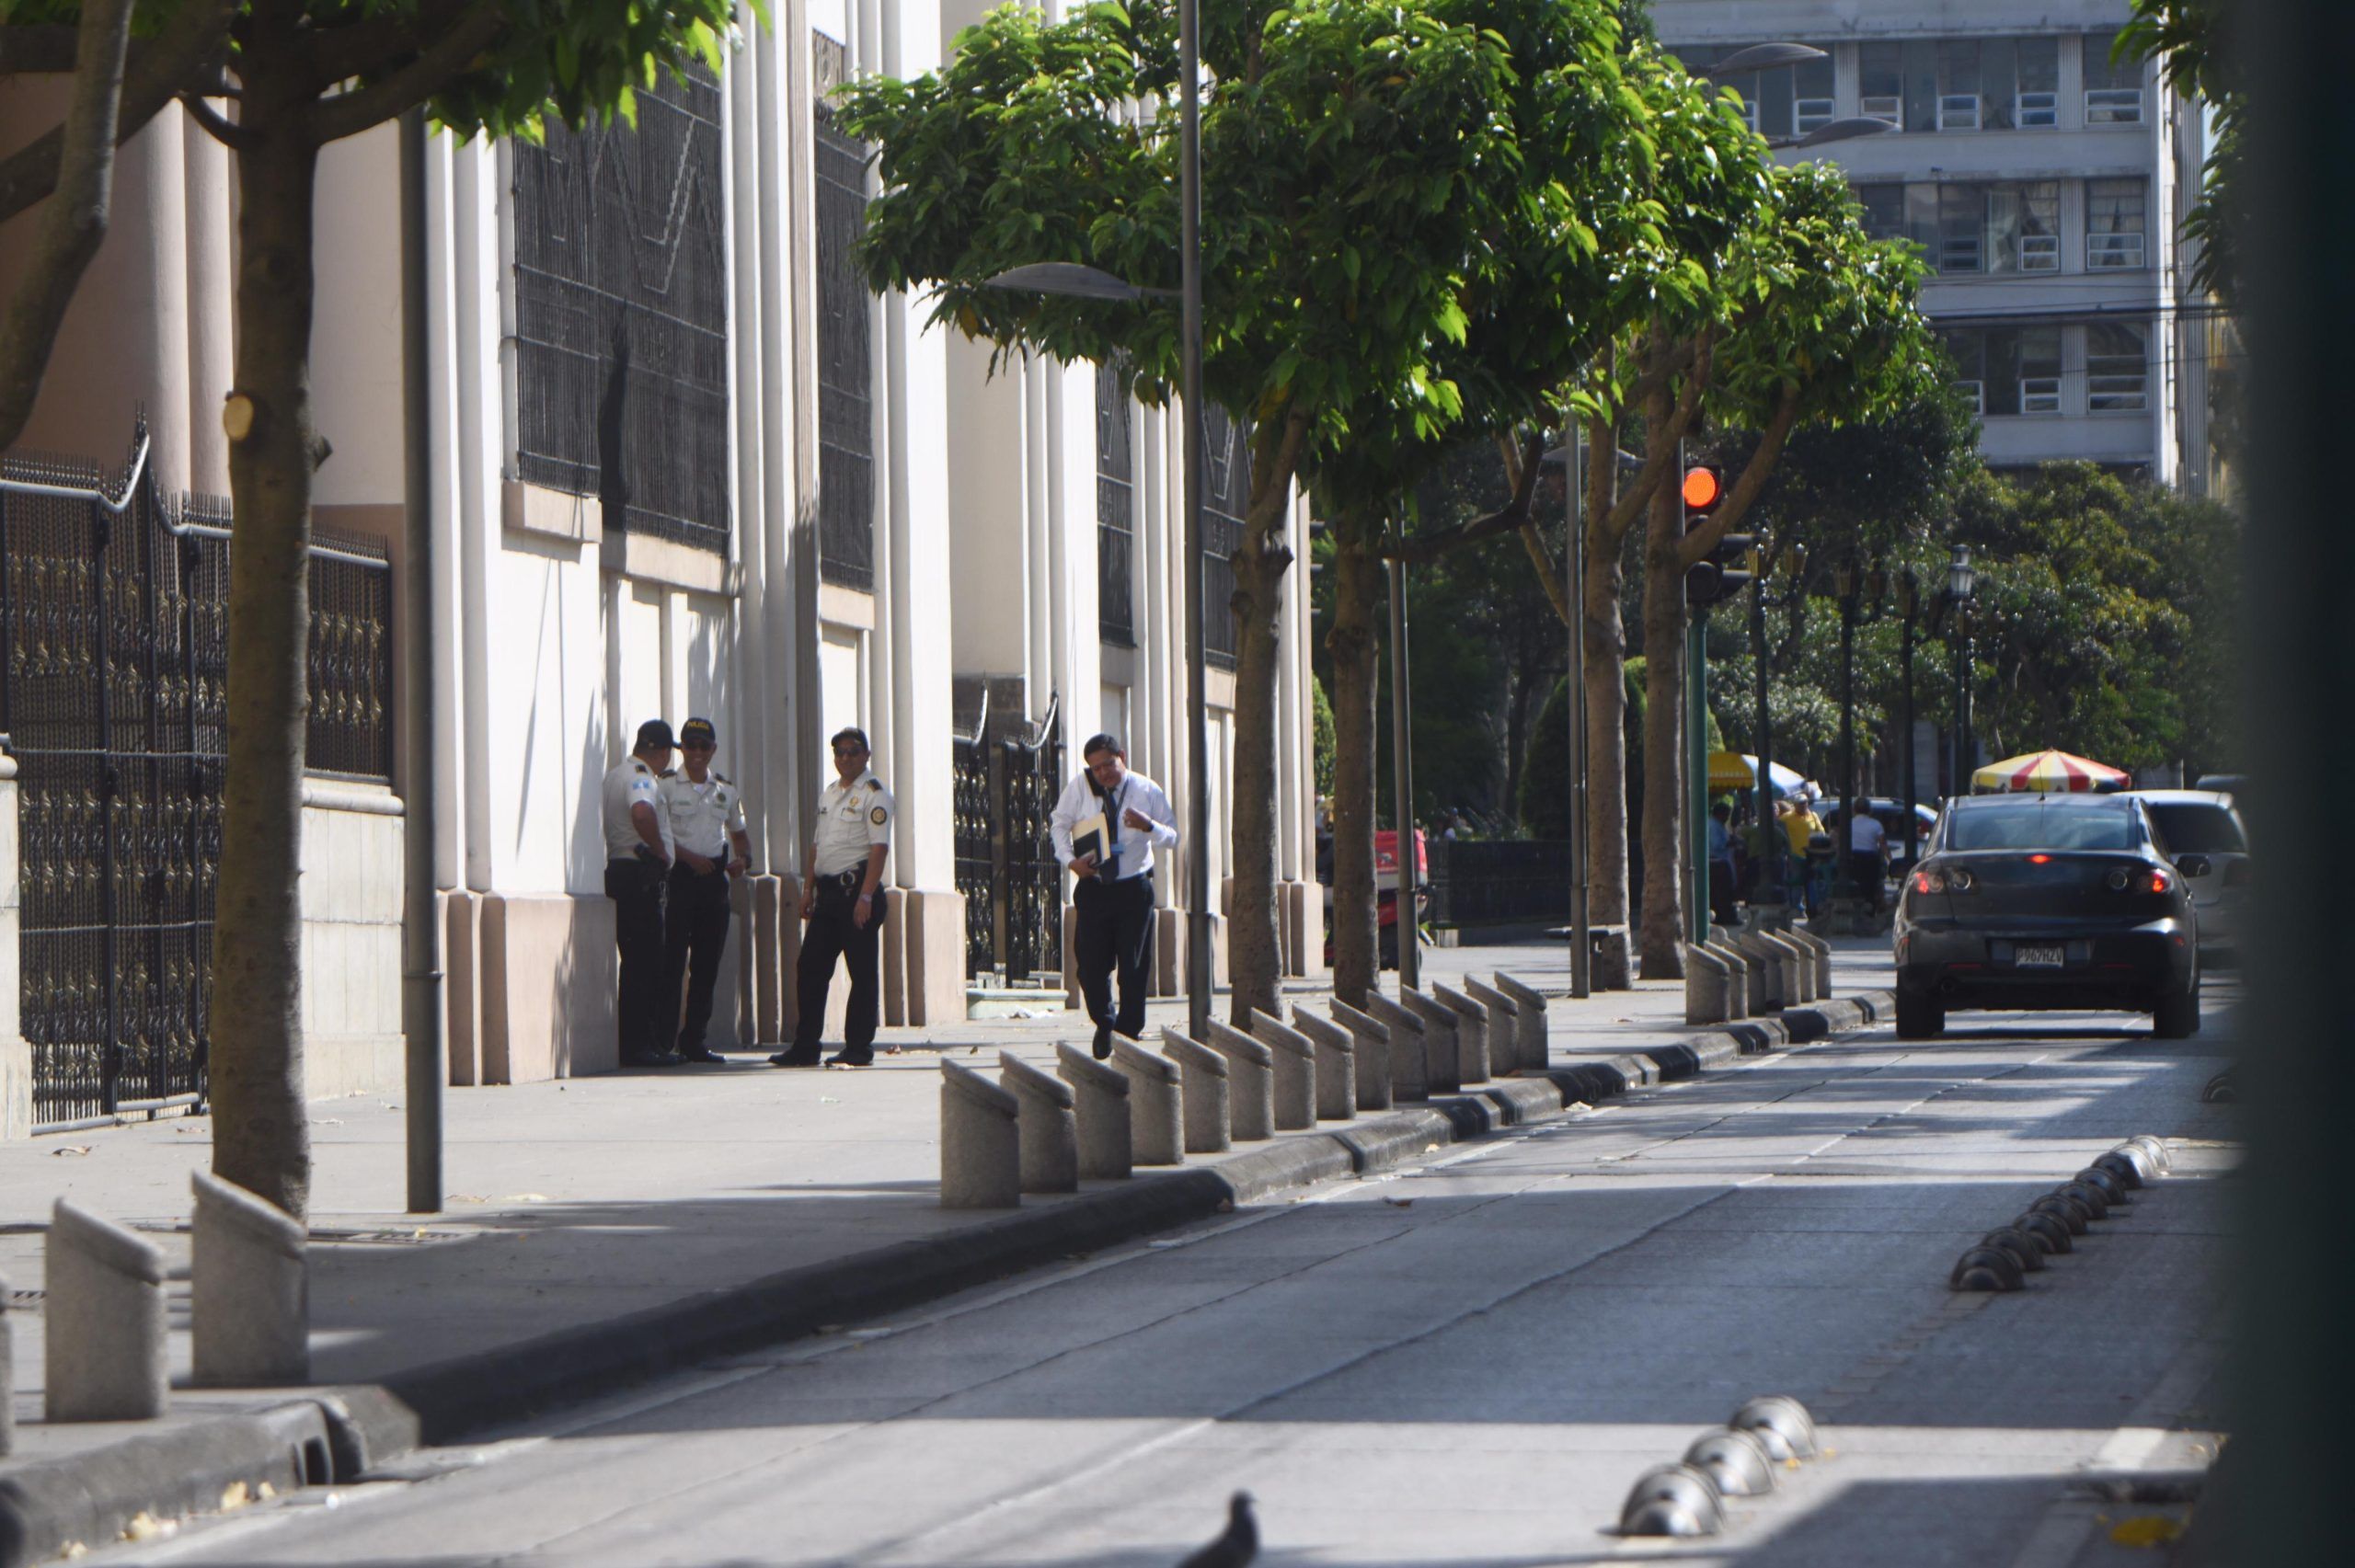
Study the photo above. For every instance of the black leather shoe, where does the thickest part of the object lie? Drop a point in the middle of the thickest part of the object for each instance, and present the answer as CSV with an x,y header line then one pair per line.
x,y
1103,1042
844,1058
794,1059
701,1054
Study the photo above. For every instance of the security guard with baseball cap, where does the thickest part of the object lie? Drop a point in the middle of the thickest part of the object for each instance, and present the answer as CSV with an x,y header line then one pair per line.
x,y
637,861
706,812
843,903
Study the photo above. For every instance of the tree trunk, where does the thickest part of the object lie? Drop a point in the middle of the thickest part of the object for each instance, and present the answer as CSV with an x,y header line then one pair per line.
x,y
1606,735
261,1138
1356,647
1662,934
1254,957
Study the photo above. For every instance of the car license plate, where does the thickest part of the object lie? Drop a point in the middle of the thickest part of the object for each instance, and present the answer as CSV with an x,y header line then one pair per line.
x,y
2049,958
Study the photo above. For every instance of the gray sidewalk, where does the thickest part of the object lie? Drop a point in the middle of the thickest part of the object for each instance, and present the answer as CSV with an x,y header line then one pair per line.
x,y
579,1203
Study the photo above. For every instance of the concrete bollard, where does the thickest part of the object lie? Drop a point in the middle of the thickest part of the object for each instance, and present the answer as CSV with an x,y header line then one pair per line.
x,y
1770,964
1336,1064
1099,1094
249,1289
980,1144
1736,978
1753,973
1250,1082
1798,967
1156,1117
1708,985
103,1314
1536,1049
1504,1027
1047,1127
7,1376
1442,1068
1823,963
1410,1049
1472,1064
1209,1128
1372,1037
1296,1068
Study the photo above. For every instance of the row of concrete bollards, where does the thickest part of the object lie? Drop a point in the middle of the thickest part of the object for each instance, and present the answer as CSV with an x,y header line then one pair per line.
x,y
104,1314
2001,1259
1742,974
1737,1459
1032,1131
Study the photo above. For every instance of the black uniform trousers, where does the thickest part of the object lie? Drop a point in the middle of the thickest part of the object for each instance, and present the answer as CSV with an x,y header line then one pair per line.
x,y
831,933
695,921
635,887
1114,933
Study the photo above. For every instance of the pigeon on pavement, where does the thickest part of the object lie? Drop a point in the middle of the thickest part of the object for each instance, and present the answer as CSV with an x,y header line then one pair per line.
x,y
1237,1546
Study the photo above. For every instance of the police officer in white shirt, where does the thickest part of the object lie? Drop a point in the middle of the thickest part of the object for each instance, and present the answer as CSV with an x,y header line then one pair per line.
x,y
842,901
637,860
706,812
1113,899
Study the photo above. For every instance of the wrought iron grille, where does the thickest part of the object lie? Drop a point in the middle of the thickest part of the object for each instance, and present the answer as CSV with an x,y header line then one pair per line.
x,y
1490,880
113,687
1115,494
1226,496
846,367
621,316
1005,788
976,862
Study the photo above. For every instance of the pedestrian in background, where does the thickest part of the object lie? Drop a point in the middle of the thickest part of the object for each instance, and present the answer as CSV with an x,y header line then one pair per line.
x,y
1867,855
1112,901
709,847
841,907
637,861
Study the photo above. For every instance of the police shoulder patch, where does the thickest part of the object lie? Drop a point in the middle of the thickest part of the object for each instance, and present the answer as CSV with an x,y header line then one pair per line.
x,y
879,817
875,783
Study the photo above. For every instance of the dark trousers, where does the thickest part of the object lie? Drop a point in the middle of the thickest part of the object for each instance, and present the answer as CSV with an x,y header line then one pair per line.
x,y
635,887
1723,877
831,935
1865,871
695,923
1114,932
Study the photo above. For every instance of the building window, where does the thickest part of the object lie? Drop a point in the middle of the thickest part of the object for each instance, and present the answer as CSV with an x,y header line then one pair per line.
x,y
846,367
1791,101
2117,225
2036,103
2007,371
1995,83
1884,208
1116,493
621,316
2118,367
1227,498
2113,91
1998,229
1961,92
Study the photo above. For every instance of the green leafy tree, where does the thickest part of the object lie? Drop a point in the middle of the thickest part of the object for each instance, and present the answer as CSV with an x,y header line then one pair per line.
x,y
301,75
1358,152
2192,42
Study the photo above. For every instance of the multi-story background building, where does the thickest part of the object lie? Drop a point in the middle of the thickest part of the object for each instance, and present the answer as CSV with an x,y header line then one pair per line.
x,y
2045,186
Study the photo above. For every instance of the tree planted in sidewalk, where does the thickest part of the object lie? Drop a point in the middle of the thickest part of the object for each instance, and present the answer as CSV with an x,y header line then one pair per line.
x,y
1353,148
297,74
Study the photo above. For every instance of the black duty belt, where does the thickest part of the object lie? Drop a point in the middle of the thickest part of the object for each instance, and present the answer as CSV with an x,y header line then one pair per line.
x,y
845,880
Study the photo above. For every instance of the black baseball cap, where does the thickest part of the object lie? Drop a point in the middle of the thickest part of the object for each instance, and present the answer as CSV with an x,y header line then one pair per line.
x,y
698,732
654,732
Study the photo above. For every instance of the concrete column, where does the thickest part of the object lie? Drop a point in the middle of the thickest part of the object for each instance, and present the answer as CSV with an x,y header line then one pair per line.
x,y
1443,1061
210,306
1101,1107
1471,1034
1157,1121
1336,1065
1049,1131
249,1289
16,1054
980,1143
7,1376
1529,1019
1504,1028
1250,1075
103,1320
1372,1037
1410,1049
1207,1119
1295,1070
1071,504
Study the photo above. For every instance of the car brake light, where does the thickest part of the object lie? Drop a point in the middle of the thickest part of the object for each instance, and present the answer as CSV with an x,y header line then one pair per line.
x,y
1929,882
2161,881
2039,860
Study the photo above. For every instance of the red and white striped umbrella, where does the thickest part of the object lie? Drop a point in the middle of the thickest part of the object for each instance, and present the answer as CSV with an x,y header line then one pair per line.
x,y
2054,771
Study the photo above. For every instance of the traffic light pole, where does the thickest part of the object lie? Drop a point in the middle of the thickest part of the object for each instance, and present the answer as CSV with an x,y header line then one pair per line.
x,y
1696,765
1581,939
1771,842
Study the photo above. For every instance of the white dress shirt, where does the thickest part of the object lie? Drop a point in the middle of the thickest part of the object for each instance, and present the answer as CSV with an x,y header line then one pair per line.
x,y
852,819
1133,846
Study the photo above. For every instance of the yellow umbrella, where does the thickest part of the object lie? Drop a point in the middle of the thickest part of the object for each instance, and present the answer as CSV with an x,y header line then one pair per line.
x,y
2049,771
1737,770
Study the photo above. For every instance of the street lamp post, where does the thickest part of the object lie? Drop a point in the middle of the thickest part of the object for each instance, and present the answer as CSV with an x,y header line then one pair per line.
x,y
1845,583
1963,586
1772,840
1909,602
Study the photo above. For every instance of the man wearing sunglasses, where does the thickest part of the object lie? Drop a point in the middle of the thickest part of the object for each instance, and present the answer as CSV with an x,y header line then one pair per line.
x,y
842,906
706,812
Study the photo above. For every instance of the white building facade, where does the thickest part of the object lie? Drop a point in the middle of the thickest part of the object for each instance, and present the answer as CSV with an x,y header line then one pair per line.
x,y
679,464
2045,186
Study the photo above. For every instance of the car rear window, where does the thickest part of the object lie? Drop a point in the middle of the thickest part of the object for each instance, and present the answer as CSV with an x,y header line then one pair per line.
x,y
2037,825
2193,827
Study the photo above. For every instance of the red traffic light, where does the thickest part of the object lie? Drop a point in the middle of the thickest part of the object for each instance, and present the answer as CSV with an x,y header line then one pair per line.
x,y
1702,489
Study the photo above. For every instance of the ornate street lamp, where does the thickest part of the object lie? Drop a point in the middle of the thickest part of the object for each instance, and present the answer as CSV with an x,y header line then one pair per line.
x,y
1962,587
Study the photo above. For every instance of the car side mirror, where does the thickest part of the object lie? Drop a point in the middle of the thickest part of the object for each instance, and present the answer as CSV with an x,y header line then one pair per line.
x,y
2194,865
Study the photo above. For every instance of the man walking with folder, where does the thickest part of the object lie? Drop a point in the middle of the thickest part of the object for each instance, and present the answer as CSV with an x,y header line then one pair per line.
x,y
1105,828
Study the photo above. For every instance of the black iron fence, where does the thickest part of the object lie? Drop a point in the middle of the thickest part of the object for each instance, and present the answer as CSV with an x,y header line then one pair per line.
x,y
113,697
1491,881
1005,785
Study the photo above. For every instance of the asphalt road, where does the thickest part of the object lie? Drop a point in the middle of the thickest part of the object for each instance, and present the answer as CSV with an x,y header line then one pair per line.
x,y
1463,1364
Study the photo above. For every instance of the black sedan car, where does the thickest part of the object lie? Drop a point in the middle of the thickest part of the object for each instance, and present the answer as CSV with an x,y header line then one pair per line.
x,y
2049,901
